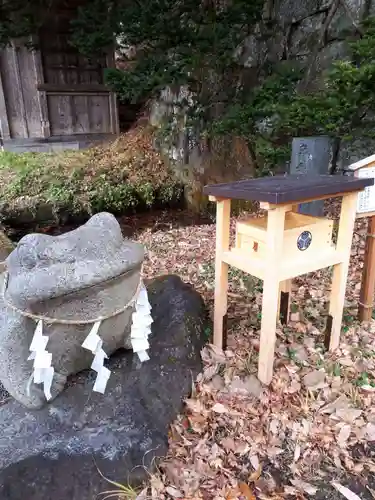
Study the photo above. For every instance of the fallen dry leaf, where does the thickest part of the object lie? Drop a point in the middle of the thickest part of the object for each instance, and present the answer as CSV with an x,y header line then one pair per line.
x,y
304,486
219,408
255,475
248,385
254,460
297,452
343,435
314,380
319,407
341,403
246,491
350,495
174,492
348,415
370,431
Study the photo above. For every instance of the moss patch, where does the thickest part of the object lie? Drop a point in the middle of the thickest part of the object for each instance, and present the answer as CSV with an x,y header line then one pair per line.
x,y
122,176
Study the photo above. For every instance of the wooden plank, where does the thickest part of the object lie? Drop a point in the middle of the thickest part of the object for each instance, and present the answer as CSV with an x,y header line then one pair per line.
x,y
11,94
19,86
366,301
61,121
113,107
86,88
293,220
256,231
364,214
4,123
214,199
68,77
221,269
289,189
81,114
298,268
114,113
275,235
41,95
99,114
74,67
242,261
256,266
270,206
30,98
321,242
365,162
340,272
250,247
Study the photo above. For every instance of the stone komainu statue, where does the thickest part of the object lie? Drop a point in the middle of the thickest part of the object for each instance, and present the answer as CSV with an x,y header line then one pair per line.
x,y
81,275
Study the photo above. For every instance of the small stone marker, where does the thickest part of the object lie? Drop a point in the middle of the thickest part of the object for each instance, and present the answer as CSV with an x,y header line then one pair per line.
x,y
311,156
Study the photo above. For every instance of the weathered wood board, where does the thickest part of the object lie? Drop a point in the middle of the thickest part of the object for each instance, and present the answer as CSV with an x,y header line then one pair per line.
x,y
52,90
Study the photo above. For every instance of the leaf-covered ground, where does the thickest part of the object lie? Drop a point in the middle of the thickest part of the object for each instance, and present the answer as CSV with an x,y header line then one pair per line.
x,y
311,432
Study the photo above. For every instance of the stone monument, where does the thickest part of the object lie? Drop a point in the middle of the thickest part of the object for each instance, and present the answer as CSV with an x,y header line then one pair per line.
x,y
61,292
311,156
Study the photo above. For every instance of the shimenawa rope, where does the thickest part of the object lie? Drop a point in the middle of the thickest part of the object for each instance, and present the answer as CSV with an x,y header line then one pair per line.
x,y
47,319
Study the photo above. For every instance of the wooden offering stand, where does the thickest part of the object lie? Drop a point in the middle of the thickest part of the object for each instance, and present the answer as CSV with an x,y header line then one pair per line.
x,y
365,169
282,245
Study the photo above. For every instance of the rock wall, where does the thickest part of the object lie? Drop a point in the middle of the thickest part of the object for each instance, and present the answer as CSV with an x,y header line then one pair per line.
x,y
194,161
314,32
310,31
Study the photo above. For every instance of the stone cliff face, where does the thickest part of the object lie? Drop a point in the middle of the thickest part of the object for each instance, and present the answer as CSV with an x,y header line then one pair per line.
x,y
312,32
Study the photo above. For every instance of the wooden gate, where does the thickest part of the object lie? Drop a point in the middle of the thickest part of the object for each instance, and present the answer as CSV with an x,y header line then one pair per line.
x,y
73,87
52,90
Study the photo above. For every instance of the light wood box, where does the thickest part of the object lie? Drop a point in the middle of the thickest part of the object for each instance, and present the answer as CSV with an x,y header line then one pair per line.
x,y
251,236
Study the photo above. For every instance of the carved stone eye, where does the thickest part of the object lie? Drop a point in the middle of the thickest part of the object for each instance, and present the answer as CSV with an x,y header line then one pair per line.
x,y
304,240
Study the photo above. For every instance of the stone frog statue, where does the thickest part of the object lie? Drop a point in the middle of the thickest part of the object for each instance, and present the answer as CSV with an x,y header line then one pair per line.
x,y
81,275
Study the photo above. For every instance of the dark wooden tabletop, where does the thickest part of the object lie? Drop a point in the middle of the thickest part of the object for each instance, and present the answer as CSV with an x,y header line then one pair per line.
x,y
288,188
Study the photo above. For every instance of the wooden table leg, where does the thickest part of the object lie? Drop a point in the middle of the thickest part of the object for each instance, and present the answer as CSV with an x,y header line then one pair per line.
x,y
285,290
285,293
340,272
221,268
366,300
275,234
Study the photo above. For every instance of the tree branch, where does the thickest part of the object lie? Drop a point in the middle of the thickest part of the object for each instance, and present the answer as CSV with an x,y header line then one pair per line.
x,y
353,21
323,32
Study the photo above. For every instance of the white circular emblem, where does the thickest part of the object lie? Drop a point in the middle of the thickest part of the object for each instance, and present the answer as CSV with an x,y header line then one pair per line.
x,y
304,240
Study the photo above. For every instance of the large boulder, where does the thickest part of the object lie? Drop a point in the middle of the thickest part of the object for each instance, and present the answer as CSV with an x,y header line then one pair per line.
x,y
51,454
78,276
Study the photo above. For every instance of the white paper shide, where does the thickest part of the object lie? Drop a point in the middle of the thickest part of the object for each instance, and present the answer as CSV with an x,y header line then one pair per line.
x,y
43,369
140,331
141,325
94,344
